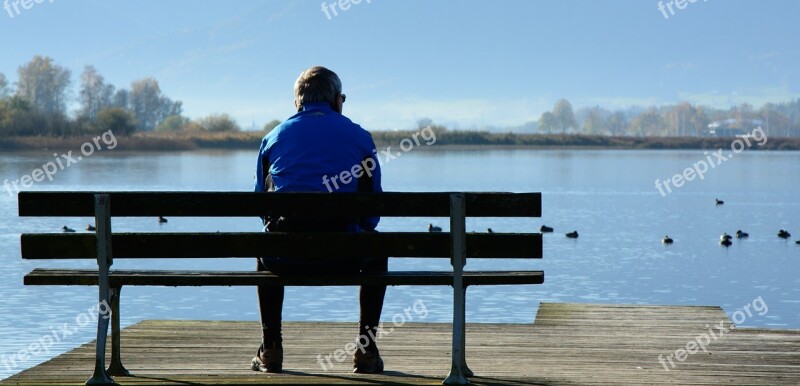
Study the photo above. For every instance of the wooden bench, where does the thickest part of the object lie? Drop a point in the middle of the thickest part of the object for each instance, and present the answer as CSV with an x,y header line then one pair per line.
x,y
105,246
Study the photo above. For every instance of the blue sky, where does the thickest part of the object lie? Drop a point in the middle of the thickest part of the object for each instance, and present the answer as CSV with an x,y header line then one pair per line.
x,y
466,63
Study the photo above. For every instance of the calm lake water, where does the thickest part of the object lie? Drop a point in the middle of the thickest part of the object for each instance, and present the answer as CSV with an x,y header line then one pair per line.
x,y
608,196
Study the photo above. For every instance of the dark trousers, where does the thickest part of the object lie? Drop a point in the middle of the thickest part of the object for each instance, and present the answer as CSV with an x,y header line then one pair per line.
x,y
270,298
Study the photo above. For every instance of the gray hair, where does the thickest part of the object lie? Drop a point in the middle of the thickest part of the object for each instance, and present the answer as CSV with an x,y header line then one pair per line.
x,y
317,84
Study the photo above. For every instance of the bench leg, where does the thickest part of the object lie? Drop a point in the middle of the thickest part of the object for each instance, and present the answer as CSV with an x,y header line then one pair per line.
x,y
458,370
104,261
116,367
100,376
464,368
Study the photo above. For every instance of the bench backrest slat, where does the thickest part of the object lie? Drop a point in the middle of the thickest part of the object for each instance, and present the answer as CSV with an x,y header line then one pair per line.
x,y
327,245
246,204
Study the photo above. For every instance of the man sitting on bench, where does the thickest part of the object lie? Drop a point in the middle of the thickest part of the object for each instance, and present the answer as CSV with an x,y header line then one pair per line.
x,y
319,149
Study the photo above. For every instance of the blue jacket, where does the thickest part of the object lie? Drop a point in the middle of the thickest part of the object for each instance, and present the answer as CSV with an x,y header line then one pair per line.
x,y
318,149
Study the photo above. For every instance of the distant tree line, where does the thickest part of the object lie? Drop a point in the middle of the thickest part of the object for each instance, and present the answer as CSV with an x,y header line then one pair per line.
x,y
679,120
445,137
38,105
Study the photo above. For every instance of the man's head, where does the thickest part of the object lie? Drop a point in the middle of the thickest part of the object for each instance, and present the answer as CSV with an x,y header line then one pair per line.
x,y
316,85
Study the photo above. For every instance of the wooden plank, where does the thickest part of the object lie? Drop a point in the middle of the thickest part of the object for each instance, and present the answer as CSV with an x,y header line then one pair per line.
x,y
598,353
41,276
250,204
298,245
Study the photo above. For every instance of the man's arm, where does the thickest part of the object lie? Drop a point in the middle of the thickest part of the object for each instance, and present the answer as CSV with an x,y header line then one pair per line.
x,y
370,181
262,167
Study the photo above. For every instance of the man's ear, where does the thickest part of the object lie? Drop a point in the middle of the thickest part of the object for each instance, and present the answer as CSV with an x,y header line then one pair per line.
x,y
336,105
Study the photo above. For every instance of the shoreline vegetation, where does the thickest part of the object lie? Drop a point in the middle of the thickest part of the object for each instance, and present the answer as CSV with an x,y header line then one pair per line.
x,y
445,139
35,115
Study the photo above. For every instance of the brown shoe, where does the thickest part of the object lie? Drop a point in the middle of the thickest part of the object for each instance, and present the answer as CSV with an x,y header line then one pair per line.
x,y
268,360
367,360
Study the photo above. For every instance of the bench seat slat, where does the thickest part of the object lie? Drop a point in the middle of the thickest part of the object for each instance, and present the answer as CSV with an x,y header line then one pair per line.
x,y
328,245
250,204
42,276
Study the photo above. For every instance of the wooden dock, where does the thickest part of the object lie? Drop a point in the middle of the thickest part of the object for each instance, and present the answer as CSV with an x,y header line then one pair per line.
x,y
569,344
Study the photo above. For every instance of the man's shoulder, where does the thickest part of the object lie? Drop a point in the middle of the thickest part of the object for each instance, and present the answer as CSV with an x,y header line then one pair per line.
x,y
344,122
283,126
362,132
332,121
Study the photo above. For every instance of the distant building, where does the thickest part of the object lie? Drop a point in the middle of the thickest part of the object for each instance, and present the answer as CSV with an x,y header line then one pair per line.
x,y
732,127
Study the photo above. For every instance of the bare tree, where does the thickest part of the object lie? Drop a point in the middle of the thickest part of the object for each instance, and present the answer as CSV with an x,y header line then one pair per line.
x,y
44,84
650,123
145,102
684,119
95,94
121,99
564,115
699,121
170,108
547,121
149,106
596,121
617,123
423,123
3,86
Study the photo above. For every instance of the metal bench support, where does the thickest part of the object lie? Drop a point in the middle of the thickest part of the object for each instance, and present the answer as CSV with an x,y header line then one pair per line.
x,y
116,367
102,210
458,370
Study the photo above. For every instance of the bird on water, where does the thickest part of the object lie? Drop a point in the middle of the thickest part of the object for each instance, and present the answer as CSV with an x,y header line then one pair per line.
x,y
718,201
572,235
784,234
667,240
742,235
90,228
162,220
545,229
432,228
67,229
